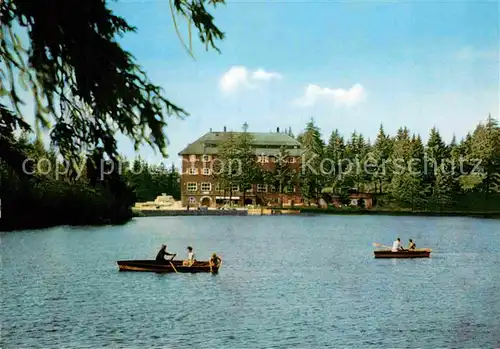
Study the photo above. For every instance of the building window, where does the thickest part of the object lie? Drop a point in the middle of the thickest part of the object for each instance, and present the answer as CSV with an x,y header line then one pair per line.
x,y
192,171
192,158
218,187
290,189
206,158
236,188
191,186
206,186
207,171
261,188
250,190
273,189
292,160
192,200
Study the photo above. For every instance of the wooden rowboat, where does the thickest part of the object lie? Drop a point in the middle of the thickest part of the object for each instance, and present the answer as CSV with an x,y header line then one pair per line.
x,y
417,253
166,266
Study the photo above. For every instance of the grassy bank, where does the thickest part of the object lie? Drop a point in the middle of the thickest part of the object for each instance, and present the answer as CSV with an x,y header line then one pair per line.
x,y
399,212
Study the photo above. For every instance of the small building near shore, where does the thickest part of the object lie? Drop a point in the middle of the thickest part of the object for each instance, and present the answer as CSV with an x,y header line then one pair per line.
x,y
365,200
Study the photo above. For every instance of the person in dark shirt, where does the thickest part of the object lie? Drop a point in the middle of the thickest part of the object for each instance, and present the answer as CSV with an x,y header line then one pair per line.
x,y
215,260
163,253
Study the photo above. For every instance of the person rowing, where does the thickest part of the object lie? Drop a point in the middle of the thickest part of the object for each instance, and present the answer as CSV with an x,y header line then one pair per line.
x,y
396,245
163,253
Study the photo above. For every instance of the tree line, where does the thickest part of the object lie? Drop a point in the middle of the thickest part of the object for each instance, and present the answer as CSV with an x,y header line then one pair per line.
x,y
50,191
400,170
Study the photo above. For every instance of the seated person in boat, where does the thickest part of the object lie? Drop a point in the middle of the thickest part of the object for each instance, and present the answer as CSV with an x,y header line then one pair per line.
x,y
396,245
163,253
215,260
191,257
411,245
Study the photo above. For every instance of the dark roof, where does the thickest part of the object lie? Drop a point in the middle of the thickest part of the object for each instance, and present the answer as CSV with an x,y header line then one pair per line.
x,y
207,144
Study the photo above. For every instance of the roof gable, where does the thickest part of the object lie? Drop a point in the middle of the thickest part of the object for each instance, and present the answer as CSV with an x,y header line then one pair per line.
x,y
260,140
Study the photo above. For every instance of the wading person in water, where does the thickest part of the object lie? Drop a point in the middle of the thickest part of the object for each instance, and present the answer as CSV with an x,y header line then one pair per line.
x,y
163,253
215,260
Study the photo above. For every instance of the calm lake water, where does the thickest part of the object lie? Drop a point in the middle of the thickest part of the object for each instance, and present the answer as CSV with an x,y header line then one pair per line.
x,y
286,282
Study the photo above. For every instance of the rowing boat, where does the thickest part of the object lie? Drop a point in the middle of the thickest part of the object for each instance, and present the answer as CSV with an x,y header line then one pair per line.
x,y
416,253
174,266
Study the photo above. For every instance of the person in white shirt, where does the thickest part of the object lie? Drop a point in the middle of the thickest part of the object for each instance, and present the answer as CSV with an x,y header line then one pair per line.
x,y
191,257
396,245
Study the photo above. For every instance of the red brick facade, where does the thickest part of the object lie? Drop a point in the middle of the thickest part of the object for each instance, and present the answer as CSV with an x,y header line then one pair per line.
x,y
199,186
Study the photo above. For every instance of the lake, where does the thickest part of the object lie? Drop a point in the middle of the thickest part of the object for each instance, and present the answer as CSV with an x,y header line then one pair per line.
x,y
304,282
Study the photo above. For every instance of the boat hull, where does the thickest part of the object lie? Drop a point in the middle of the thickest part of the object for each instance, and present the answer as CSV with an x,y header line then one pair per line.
x,y
419,253
166,266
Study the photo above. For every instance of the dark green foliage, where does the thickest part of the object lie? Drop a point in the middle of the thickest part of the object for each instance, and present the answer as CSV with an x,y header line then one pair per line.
x,y
435,177
148,181
51,196
73,63
312,179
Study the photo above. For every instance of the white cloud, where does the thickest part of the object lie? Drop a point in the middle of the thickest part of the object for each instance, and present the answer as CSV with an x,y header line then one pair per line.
x,y
240,76
234,78
341,97
263,75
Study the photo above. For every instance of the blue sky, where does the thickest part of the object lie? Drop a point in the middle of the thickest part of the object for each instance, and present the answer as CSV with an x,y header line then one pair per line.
x,y
417,64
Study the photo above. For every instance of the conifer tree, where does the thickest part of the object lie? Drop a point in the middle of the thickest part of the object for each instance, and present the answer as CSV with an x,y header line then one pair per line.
x,y
485,148
312,178
382,151
249,172
334,154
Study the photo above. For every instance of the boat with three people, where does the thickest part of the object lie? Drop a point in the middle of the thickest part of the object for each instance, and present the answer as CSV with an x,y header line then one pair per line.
x,y
168,266
164,265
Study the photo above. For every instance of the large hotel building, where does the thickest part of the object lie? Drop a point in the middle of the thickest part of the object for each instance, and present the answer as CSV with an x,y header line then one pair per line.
x,y
200,188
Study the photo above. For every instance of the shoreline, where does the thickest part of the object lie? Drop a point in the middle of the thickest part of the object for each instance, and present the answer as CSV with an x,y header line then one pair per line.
x,y
472,214
315,211
296,212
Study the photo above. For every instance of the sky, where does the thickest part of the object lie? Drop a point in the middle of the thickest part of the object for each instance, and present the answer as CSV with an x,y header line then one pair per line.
x,y
350,65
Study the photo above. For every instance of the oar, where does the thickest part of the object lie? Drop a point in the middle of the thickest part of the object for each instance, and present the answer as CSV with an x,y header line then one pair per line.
x,y
172,264
375,244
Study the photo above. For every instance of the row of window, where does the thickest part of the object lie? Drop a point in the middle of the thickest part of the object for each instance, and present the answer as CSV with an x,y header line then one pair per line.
x,y
262,159
194,171
265,159
204,158
207,187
